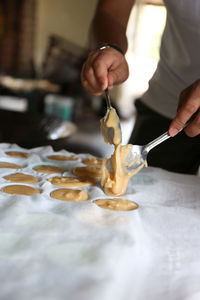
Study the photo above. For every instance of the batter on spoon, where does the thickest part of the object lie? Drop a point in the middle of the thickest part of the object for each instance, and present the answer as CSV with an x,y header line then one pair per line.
x,y
115,174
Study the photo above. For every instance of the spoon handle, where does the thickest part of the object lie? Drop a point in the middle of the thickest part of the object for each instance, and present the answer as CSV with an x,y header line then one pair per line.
x,y
165,135
156,142
108,101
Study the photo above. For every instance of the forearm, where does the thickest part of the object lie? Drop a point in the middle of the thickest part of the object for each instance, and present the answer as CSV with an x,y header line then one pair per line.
x,y
105,30
109,24
107,67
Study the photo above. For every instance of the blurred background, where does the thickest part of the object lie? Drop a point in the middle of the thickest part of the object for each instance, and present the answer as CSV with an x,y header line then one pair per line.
x,y
43,44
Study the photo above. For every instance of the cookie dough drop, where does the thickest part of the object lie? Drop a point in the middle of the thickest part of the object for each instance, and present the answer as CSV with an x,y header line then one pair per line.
x,y
93,161
66,181
116,204
21,177
19,189
18,154
9,165
91,172
62,157
69,195
47,169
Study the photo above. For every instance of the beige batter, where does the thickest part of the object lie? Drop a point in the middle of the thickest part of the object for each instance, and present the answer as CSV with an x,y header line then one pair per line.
x,y
21,177
116,204
20,190
115,182
62,157
111,122
9,165
91,172
66,181
18,154
115,178
69,195
93,161
47,169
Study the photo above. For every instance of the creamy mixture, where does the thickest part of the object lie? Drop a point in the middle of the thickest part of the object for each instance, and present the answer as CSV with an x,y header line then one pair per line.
x,y
91,172
62,157
20,189
93,161
110,125
115,174
18,154
116,204
66,181
69,195
47,169
21,177
115,177
9,165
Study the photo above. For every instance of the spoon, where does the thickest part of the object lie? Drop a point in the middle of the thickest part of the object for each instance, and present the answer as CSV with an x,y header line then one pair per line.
x,y
110,125
138,154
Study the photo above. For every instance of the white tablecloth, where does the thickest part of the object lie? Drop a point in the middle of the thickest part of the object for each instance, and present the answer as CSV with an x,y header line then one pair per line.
x,y
56,250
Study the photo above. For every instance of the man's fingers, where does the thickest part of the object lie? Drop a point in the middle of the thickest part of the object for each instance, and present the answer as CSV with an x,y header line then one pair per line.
x,y
90,90
110,68
193,129
100,73
89,82
102,70
94,74
118,75
184,113
189,103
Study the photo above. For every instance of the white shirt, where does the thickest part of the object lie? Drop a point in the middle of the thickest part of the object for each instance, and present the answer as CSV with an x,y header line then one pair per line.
x,y
179,64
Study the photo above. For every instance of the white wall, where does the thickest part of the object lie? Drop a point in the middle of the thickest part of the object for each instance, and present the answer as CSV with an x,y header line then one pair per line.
x,y
67,18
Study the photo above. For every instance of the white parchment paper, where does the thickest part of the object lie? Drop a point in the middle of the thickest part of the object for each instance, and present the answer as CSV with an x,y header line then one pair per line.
x,y
51,249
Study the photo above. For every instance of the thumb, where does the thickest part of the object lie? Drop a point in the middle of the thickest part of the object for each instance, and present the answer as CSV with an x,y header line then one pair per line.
x,y
175,127
117,76
183,118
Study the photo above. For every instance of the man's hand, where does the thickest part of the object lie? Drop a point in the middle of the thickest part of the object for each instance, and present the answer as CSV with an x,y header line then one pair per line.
x,y
103,69
189,103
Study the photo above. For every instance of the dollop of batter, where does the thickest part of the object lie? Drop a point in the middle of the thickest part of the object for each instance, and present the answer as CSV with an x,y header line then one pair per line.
x,y
116,204
111,122
93,161
9,165
115,174
47,169
62,157
19,189
115,177
66,181
18,154
21,177
69,195
88,172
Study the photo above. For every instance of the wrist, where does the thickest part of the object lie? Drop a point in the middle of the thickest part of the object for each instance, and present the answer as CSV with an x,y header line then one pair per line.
x,y
108,45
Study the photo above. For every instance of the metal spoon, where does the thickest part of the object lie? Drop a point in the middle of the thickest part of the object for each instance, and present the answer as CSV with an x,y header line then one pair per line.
x,y
108,101
108,132
138,154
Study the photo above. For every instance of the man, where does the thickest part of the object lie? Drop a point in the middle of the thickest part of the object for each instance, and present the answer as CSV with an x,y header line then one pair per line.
x,y
174,90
